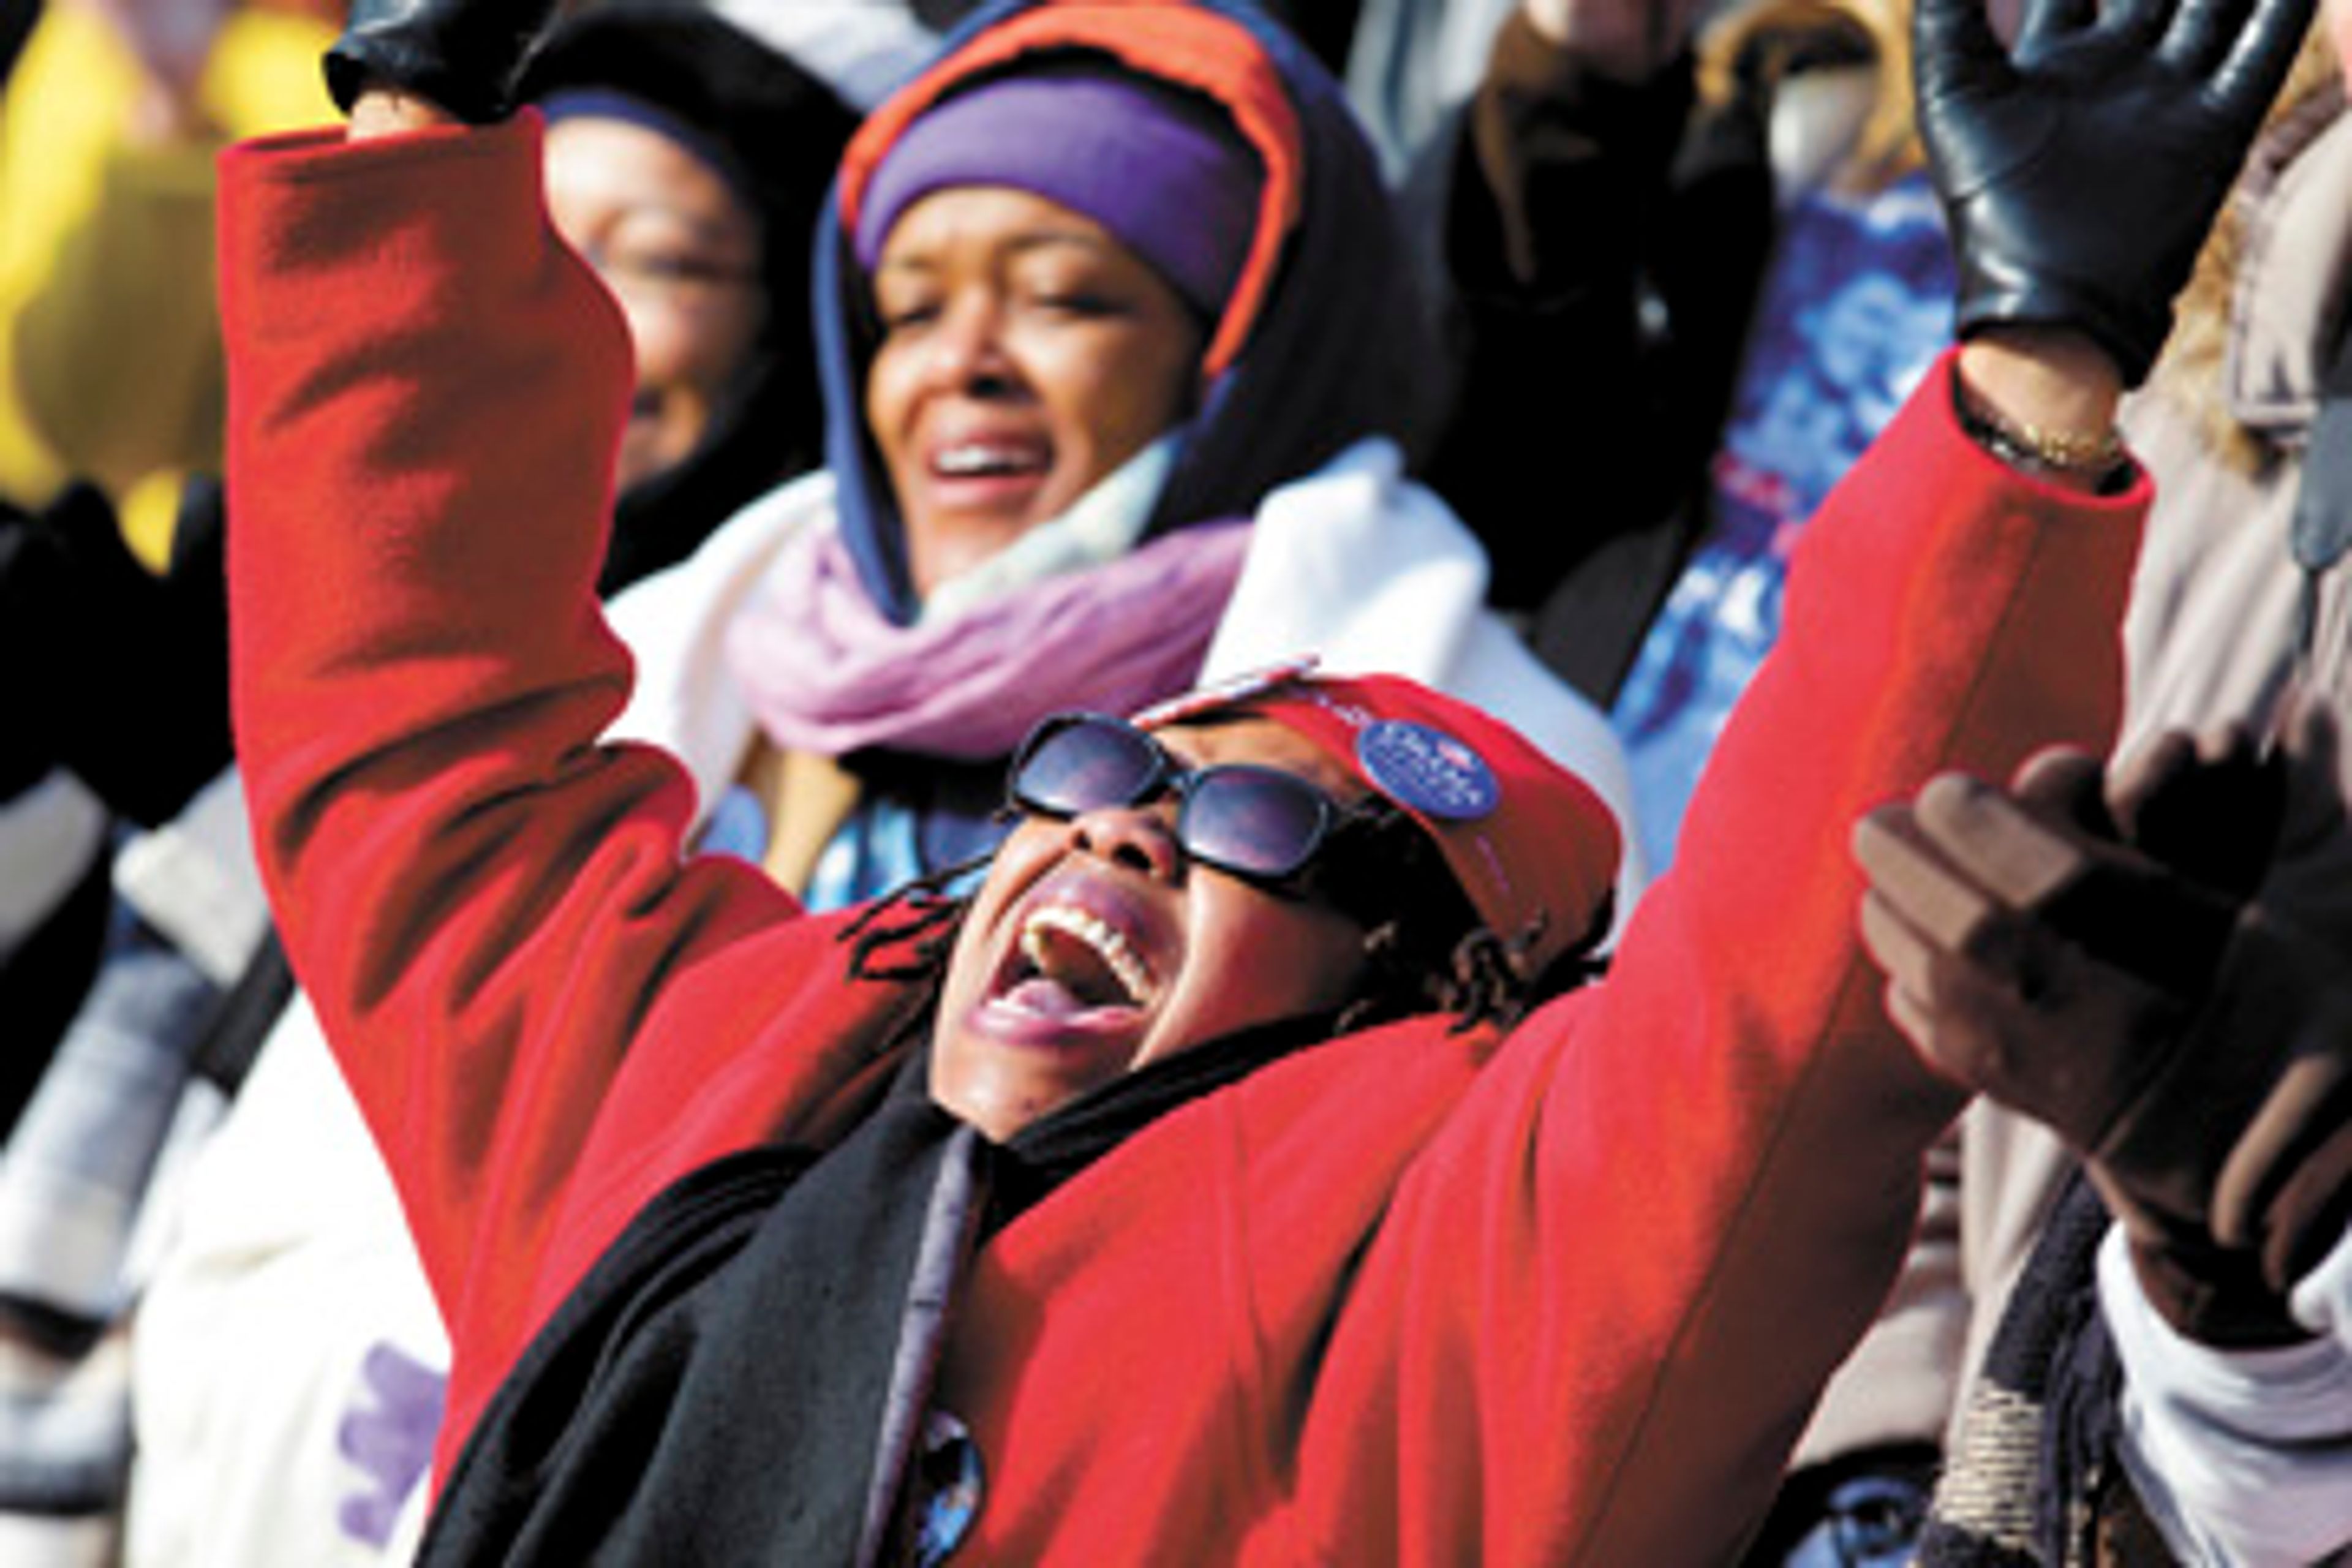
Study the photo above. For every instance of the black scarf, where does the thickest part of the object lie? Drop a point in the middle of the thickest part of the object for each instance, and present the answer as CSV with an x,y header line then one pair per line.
x,y
742,1376
2037,1442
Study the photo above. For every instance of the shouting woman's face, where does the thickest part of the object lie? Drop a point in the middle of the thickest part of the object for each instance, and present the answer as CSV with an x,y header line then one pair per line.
x,y
1098,945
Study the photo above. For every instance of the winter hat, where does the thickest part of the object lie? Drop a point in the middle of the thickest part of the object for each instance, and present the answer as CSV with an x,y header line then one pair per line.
x,y
772,128
1162,168
1324,339
611,103
1175,49
1534,848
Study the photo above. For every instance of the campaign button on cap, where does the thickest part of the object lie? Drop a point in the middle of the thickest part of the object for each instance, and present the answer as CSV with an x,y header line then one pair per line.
x,y
1426,769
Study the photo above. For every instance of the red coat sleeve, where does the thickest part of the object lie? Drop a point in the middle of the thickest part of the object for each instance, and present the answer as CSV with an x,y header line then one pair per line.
x,y
1605,1297
545,1011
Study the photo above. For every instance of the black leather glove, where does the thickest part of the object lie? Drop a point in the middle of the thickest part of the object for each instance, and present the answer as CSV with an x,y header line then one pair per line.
x,y
2081,170
2037,953
462,55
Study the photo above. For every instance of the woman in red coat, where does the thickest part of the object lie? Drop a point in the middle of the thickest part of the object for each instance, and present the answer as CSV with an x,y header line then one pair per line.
x,y
1101,1218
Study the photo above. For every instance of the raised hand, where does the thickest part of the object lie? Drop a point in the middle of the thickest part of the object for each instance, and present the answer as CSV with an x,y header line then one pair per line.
x,y
2041,946
462,56
2208,807
2029,953
2081,169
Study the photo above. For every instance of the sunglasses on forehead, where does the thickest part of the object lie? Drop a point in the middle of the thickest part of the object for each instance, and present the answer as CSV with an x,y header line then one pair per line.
x,y
1260,823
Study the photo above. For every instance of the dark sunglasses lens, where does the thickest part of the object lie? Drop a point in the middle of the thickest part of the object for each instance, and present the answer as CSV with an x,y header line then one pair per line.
x,y
1258,821
1085,765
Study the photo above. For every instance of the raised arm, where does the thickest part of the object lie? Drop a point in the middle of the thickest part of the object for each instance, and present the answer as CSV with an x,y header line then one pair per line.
x,y
545,1010
1667,1207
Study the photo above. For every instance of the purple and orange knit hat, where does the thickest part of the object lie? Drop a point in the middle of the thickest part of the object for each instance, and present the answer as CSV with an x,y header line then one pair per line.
x,y
1162,121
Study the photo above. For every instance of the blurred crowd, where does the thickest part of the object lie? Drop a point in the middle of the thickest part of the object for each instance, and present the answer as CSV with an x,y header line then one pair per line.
x,y
861,404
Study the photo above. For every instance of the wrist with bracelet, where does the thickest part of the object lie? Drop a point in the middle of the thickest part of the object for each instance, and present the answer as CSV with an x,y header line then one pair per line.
x,y
2098,462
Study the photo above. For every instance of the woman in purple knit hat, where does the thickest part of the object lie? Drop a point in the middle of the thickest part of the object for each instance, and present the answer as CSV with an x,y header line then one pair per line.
x,y
1121,365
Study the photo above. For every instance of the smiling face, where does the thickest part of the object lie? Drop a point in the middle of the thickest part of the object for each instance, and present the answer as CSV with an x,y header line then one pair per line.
x,y
1025,355
682,255
1095,948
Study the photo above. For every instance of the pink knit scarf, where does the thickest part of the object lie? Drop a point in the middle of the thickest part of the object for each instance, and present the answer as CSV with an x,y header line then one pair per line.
x,y
825,672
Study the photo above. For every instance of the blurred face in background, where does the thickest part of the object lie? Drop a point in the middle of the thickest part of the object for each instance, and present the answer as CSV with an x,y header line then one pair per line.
x,y
680,253
1025,355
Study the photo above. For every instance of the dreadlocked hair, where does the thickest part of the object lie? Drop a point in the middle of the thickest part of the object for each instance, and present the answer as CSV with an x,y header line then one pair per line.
x,y
921,916
1426,948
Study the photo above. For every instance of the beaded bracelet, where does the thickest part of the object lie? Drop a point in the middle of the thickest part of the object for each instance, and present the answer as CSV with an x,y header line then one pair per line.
x,y
2034,449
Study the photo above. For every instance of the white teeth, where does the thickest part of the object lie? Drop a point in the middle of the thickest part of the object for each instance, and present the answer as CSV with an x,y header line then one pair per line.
x,y
976,459
1126,966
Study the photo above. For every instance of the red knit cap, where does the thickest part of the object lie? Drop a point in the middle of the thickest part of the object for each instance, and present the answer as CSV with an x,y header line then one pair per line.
x,y
1533,846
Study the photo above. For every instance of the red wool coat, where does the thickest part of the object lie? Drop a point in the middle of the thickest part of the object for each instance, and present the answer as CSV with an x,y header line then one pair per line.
x,y
1562,1296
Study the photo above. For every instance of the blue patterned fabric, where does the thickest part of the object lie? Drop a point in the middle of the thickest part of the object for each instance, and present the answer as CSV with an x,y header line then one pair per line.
x,y
1857,303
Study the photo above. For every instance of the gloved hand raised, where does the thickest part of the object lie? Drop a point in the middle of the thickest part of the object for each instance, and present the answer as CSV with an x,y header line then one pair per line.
x,y
463,56
2081,170
2038,948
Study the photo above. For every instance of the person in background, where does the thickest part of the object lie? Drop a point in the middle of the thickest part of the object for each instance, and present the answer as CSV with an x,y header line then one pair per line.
x,y
2107,951
1746,289
118,716
689,167
2238,602
1202,481
632,1095
109,566
109,361
1697,264
2234,602
690,161
1412,65
110,396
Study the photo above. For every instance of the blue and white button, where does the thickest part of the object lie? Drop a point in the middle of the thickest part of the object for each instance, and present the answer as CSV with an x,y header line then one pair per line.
x,y
1427,770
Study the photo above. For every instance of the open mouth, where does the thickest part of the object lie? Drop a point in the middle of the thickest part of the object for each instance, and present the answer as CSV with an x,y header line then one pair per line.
x,y
1071,961
987,460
